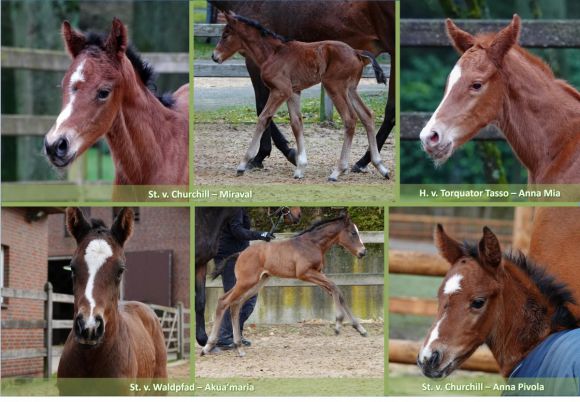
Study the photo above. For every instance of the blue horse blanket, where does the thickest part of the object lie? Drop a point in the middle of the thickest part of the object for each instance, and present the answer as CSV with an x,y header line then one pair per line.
x,y
551,368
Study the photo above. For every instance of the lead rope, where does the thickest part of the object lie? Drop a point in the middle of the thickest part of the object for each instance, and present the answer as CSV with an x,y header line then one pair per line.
x,y
283,211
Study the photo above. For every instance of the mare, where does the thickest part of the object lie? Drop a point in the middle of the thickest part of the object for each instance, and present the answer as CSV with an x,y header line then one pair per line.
x,y
109,339
288,67
209,222
106,93
300,257
366,25
496,81
503,300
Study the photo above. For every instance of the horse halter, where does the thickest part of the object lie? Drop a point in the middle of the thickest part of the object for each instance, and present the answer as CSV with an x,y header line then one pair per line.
x,y
281,212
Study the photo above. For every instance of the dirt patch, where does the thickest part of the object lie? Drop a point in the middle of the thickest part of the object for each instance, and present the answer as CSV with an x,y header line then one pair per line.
x,y
220,147
301,350
178,369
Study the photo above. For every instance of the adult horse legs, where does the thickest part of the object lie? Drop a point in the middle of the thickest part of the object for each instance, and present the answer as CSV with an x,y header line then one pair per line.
x,y
367,118
318,278
298,130
339,98
200,334
275,100
384,130
261,93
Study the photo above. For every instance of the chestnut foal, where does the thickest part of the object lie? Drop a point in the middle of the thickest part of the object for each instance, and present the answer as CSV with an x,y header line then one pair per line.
x,y
105,92
502,300
287,68
109,339
300,257
497,82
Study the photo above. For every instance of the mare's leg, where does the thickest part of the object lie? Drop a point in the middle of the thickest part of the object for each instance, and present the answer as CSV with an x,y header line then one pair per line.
x,y
367,118
272,132
275,100
318,278
235,312
225,301
386,126
298,130
200,334
338,95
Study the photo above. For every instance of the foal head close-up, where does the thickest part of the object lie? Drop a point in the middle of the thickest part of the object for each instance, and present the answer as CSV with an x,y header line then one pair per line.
x,y
349,238
230,41
474,92
468,299
92,91
97,270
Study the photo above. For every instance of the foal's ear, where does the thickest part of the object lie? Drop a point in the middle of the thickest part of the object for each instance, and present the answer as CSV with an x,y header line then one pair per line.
x,y
76,223
230,16
505,40
116,43
460,39
449,249
489,248
122,228
74,41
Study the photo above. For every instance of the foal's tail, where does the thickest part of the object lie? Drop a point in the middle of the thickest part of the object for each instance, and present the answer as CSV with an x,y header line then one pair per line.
x,y
379,73
220,269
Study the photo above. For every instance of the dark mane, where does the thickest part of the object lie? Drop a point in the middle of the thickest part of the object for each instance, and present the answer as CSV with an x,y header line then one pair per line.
x,y
263,31
144,70
557,293
97,224
320,223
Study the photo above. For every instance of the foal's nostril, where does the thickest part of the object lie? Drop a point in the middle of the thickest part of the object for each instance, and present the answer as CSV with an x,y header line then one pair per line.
x,y
434,359
79,326
61,147
100,327
434,137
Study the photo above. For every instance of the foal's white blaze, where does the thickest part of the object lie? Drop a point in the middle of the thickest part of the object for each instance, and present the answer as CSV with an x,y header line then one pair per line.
x,y
453,78
76,77
426,351
453,284
96,254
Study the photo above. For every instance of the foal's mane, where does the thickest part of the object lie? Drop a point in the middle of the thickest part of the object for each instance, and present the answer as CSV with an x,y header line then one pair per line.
x,y
320,223
144,70
263,30
557,293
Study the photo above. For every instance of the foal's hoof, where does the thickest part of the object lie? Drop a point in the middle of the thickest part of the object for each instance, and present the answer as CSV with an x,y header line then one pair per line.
x,y
240,172
298,176
336,331
291,156
254,164
332,179
356,168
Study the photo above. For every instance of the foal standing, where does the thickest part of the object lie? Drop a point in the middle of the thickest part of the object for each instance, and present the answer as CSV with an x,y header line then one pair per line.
x,y
287,68
300,257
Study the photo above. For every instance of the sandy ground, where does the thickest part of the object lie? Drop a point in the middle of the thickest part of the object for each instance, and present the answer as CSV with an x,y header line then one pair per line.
x,y
298,351
178,369
219,147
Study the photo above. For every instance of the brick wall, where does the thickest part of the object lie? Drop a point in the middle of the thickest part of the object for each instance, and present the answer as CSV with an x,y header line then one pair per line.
x,y
25,268
158,229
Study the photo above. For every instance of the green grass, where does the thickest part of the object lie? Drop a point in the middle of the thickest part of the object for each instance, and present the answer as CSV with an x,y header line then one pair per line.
x,y
310,112
108,172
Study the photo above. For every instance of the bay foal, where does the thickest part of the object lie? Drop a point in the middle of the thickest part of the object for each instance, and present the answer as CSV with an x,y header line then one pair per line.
x,y
106,93
300,257
497,82
287,68
109,339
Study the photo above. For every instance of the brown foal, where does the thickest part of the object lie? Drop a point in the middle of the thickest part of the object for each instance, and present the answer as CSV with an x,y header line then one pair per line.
x,y
300,257
105,93
496,81
287,68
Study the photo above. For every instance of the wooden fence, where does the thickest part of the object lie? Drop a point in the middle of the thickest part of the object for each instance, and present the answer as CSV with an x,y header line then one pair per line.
x,y
431,33
237,68
174,322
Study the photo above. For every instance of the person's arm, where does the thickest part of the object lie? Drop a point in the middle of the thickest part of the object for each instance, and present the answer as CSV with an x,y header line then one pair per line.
x,y
238,230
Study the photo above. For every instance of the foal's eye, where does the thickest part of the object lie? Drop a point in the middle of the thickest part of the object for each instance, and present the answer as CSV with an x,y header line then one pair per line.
x,y
103,94
353,233
476,86
477,303
120,272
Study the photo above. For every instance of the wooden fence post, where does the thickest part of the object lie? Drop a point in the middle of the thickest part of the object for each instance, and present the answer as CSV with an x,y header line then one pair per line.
x,y
326,107
48,330
180,332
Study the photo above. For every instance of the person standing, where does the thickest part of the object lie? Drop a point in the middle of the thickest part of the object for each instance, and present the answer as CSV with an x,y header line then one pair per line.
x,y
235,237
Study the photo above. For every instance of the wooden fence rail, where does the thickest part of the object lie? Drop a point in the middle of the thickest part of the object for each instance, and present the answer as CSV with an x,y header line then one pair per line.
x,y
173,321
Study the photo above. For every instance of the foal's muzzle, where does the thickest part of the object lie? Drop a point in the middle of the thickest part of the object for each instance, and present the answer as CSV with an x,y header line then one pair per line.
x,y
362,253
58,152
89,334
